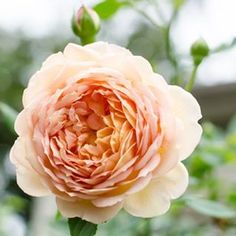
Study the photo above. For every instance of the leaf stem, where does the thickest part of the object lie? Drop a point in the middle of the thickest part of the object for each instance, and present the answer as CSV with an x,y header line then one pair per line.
x,y
191,82
148,227
224,47
87,40
176,79
158,10
150,19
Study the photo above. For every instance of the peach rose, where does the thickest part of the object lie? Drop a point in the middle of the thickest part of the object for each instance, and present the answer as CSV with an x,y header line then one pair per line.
x,y
101,131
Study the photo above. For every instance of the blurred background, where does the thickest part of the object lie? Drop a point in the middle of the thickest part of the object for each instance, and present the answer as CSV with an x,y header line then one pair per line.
x,y
163,32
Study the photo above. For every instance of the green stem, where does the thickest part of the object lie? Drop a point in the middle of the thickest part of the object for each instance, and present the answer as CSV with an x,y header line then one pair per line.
x,y
176,79
224,47
87,40
150,19
158,10
148,227
144,14
191,82
169,53
147,230
169,47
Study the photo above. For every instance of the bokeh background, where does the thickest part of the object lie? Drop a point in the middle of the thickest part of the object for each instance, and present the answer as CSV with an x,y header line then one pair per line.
x,y
162,31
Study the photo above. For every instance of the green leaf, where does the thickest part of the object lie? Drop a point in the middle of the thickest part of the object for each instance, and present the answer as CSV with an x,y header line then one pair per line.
x,y
210,208
130,226
7,116
178,3
79,227
232,197
211,132
108,8
58,216
15,203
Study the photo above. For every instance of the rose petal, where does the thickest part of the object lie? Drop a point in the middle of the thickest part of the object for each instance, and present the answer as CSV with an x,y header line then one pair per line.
x,y
87,211
187,109
54,59
99,126
154,200
103,49
21,123
78,53
27,178
137,185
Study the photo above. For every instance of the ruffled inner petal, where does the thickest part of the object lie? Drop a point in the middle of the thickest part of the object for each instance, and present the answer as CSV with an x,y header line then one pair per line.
x,y
97,137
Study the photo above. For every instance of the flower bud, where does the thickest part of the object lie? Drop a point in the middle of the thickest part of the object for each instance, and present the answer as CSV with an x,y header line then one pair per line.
x,y
86,24
199,51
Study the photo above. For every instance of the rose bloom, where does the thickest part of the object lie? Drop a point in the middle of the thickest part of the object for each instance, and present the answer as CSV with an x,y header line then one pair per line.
x,y
101,131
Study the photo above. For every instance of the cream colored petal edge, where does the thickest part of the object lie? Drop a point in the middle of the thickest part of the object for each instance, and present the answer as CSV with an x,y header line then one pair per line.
x,y
78,53
40,83
87,211
95,51
22,125
132,68
154,200
27,178
54,59
110,201
188,113
104,48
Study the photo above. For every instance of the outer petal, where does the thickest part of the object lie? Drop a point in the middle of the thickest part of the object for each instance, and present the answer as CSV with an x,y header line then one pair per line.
x,y
78,53
55,73
54,59
188,111
154,200
133,68
106,49
27,179
87,211
22,123
93,52
108,55
110,201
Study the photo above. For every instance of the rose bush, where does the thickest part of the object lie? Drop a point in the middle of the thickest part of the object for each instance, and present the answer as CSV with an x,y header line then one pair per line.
x,y
101,131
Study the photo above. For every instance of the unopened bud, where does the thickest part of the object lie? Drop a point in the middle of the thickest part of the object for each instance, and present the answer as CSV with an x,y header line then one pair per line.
x,y
86,23
199,51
